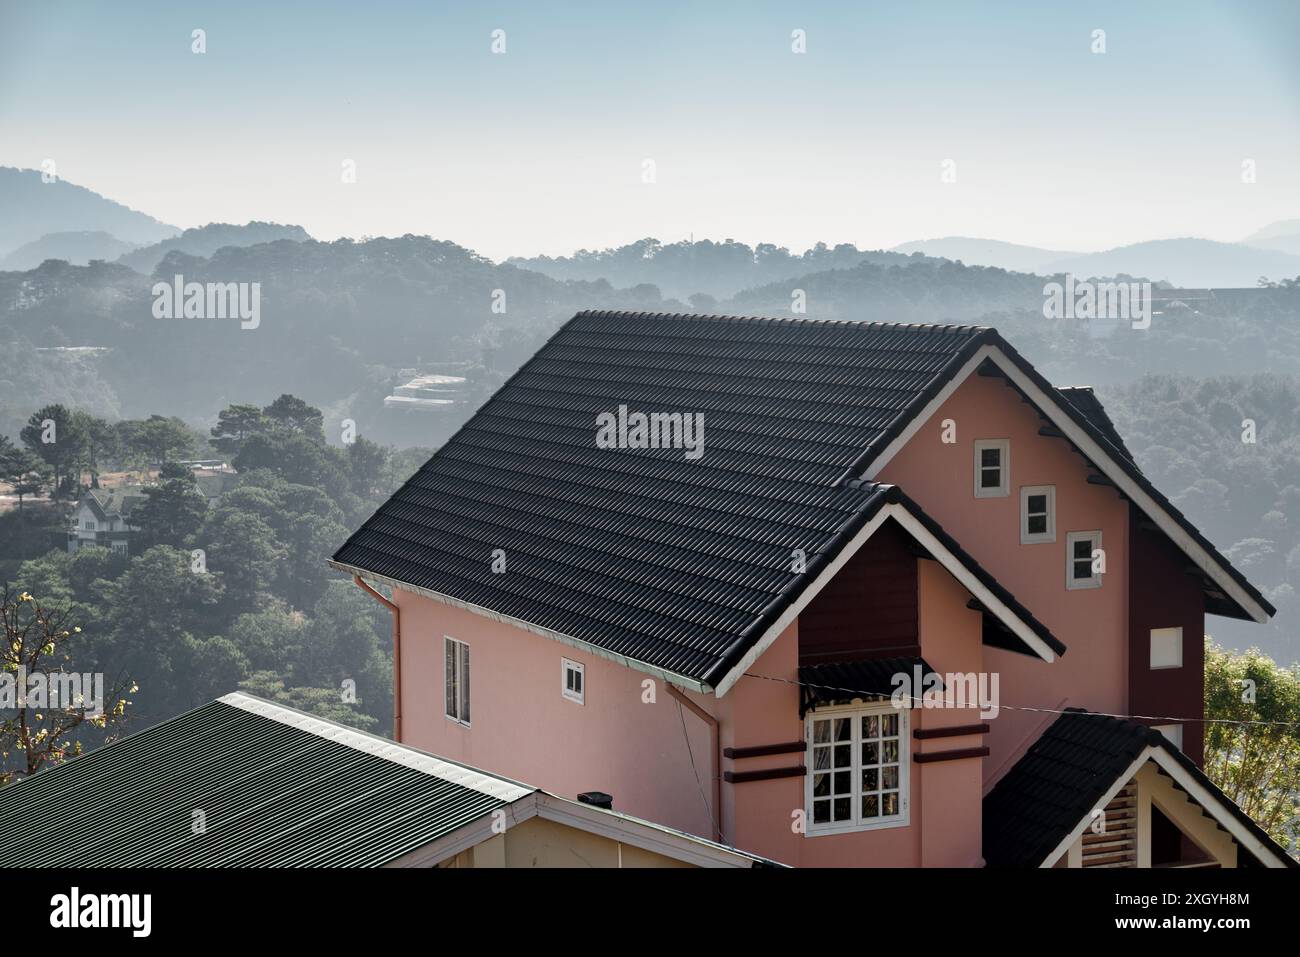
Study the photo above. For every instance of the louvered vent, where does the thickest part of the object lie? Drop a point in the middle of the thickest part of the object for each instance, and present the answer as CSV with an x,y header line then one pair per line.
x,y
1117,845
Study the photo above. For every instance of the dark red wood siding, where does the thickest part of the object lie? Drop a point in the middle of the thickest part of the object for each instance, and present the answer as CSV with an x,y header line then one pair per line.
x,y
1163,595
869,609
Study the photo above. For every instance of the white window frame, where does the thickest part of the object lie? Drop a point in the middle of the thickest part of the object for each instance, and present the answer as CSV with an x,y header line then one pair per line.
x,y
1174,732
1003,489
567,666
1170,656
1072,583
855,713
456,680
1037,538
89,524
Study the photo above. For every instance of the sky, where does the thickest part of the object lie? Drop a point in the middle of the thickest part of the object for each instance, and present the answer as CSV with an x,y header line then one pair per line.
x,y
544,148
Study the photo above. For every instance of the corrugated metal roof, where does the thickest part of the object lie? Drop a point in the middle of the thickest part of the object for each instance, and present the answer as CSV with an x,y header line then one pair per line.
x,y
644,553
277,789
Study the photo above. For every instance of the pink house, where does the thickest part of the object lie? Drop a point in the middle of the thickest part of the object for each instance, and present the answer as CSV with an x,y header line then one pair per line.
x,y
835,593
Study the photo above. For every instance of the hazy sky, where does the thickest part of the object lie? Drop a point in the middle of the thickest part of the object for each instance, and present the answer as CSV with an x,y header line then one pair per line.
x,y
542,149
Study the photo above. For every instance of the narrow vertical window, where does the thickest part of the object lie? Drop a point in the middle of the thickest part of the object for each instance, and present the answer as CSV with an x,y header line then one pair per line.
x,y
992,468
1083,560
1037,514
456,665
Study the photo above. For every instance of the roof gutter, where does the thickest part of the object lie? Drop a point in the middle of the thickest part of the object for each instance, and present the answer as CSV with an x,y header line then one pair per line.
x,y
671,677
397,652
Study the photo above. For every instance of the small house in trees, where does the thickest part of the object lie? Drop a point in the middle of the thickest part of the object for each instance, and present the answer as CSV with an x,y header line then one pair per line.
x,y
103,518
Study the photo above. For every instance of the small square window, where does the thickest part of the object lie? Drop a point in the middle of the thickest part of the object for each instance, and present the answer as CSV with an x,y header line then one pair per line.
x,y
1037,514
1166,648
992,468
573,677
1085,560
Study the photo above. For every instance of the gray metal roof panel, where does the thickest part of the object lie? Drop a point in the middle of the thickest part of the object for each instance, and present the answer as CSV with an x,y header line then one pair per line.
x,y
273,794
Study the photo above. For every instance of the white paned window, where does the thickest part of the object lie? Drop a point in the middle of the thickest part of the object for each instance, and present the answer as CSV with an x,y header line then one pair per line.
x,y
573,680
457,680
992,468
1037,514
859,763
1081,569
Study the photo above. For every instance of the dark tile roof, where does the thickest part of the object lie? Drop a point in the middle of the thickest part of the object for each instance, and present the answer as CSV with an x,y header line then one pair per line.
x,y
273,795
1084,399
675,564
840,682
116,502
1062,778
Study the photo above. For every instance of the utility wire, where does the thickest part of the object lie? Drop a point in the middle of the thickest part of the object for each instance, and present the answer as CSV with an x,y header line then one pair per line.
x,y
1010,707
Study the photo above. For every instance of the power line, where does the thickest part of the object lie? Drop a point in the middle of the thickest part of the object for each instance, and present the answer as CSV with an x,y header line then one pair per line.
x,y
1010,707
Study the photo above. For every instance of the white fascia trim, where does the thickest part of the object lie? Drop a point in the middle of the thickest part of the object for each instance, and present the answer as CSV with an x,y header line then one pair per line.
x,y
643,834
1214,805
475,780
668,676
973,584
1098,456
917,421
936,548
1120,783
468,835
778,627
1207,801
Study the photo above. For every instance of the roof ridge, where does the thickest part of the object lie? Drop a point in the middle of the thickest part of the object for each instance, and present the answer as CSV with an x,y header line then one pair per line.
x,y
955,328
402,754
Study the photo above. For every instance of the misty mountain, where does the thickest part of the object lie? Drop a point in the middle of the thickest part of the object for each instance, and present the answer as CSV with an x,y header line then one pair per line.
x,y
77,248
1282,236
33,209
1186,263
206,240
919,290
710,269
985,252
338,323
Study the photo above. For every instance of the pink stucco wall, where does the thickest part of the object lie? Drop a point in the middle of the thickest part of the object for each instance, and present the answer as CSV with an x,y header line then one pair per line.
x,y
944,825
1092,623
522,727
617,742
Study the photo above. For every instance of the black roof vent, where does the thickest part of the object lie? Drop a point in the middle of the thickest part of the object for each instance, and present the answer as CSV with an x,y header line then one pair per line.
x,y
597,799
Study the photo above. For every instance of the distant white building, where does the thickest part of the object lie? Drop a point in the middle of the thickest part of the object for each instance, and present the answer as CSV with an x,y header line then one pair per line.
x,y
103,518
427,392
